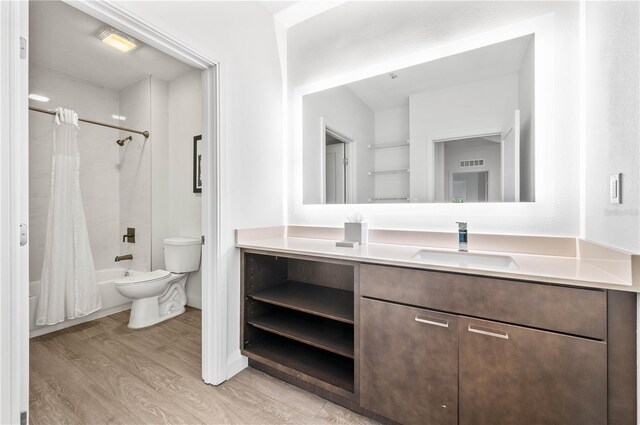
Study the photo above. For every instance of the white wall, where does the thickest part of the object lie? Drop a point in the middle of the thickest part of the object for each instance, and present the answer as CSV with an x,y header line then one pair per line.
x,y
398,29
135,175
241,36
185,207
160,171
612,122
345,112
99,160
176,117
526,105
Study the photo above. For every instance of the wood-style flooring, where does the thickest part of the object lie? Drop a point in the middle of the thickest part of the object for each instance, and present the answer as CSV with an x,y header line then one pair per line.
x,y
102,372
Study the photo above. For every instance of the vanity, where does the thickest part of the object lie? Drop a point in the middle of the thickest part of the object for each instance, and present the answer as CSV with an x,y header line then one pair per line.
x,y
389,335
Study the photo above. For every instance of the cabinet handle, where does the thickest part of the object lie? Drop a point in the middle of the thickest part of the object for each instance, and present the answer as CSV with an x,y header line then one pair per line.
x,y
434,322
502,335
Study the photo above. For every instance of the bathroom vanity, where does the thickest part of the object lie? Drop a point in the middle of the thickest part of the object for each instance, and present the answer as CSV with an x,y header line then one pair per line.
x,y
421,345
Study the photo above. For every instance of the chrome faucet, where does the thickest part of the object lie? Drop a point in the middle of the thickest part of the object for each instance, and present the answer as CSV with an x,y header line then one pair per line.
x,y
462,236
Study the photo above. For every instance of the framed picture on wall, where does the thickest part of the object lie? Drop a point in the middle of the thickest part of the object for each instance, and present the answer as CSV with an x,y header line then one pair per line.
x,y
197,164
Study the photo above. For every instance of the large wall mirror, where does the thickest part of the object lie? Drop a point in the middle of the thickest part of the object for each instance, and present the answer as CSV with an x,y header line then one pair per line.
x,y
457,129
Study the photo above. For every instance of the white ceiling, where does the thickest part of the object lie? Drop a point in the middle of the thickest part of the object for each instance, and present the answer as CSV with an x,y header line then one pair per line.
x,y
382,92
64,38
277,6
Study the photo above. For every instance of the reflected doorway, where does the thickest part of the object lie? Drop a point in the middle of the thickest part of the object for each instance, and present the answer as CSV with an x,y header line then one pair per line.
x,y
338,166
470,186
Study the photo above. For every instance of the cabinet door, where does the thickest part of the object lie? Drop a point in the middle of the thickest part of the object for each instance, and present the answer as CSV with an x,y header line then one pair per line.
x,y
516,375
408,363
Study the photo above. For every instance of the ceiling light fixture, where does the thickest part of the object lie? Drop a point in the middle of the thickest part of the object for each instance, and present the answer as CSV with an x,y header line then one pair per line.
x,y
117,39
38,97
118,117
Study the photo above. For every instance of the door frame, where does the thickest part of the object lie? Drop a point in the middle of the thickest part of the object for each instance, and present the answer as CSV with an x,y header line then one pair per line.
x,y
350,172
214,276
14,209
14,166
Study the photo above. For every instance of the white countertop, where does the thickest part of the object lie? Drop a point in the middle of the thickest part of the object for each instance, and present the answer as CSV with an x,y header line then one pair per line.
x,y
538,268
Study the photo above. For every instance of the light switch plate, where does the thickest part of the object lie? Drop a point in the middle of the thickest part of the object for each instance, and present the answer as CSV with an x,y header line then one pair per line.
x,y
614,189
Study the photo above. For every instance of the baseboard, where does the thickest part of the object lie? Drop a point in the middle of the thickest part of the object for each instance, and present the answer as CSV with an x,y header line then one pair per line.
x,y
68,323
236,363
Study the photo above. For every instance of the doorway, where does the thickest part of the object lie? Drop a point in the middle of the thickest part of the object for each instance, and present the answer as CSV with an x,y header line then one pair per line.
x,y
338,182
470,186
336,170
213,268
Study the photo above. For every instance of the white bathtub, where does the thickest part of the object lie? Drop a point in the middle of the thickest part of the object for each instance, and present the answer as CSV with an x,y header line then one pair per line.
x,y
112,302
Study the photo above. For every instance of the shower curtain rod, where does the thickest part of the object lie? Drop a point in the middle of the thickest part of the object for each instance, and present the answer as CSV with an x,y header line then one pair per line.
x,y
144,133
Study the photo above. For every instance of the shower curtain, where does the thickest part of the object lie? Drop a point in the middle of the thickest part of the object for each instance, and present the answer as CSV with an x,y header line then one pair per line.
x,y
68,286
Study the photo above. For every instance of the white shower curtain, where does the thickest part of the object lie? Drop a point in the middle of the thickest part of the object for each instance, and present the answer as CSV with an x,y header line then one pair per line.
x,y
68,286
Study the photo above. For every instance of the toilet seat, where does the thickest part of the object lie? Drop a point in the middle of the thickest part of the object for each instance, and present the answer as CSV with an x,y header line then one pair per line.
x,y
143,278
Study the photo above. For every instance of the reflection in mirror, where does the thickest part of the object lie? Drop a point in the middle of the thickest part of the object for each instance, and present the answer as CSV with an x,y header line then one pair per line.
x,y
457,129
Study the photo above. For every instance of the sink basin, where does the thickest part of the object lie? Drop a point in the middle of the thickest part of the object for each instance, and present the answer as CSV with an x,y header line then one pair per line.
x,y
465,259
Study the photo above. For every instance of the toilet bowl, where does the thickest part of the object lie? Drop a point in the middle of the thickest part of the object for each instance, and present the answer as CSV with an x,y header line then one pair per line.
x,y
160,295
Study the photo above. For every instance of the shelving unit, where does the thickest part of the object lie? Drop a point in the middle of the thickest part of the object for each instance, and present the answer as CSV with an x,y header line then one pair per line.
x,y
298,317
389,171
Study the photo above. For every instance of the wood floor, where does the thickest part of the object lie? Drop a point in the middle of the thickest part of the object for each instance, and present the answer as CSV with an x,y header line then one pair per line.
x,y
103,372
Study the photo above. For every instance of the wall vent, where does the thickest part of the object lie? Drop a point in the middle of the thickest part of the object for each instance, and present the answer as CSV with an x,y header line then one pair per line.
x,y
472,163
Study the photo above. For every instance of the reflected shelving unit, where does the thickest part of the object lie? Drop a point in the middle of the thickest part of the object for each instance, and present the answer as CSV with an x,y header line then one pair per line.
x,y
389,172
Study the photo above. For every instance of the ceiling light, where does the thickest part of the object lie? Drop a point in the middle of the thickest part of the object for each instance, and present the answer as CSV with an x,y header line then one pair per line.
x,y
116,39
118,117
38,97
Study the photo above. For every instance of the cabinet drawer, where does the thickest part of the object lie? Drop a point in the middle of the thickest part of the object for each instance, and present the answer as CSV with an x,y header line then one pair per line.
x,y
569,310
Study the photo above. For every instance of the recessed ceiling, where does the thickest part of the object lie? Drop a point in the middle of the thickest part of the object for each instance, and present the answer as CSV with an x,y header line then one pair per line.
x,y
64,38
382,92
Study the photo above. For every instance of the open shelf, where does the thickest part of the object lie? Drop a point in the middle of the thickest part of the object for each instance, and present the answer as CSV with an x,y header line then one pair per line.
x,y
400,144
328,367
312,330
322,301
403,198
387,172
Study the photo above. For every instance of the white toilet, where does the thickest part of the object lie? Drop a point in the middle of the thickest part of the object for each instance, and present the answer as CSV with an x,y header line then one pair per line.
x,y
160,295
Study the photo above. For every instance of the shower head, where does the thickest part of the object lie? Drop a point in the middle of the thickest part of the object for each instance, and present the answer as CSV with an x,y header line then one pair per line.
x,y
121,141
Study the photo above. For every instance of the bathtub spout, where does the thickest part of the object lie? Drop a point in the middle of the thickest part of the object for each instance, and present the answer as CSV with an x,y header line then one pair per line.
x,y
124,257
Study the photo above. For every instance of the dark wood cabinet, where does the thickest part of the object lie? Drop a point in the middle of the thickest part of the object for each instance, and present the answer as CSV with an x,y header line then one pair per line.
x,y
408,363
516,375
407,346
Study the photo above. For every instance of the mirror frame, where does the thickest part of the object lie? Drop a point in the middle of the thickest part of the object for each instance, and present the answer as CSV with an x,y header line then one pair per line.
x,y
542,28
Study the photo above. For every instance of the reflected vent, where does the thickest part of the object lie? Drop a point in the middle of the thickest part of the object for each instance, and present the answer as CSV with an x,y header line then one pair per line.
x,y
472,163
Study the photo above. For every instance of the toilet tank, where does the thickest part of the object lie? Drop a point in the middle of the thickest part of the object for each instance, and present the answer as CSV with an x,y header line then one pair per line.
x,y
182,255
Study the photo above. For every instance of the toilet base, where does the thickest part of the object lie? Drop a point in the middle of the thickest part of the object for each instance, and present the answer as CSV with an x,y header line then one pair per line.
x,y
138,324
150,311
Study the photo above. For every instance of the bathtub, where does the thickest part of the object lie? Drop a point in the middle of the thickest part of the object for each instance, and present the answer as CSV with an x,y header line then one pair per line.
x,y
112,302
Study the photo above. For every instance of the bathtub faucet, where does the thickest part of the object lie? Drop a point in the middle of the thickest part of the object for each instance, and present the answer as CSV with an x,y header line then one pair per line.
x,y
124,257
